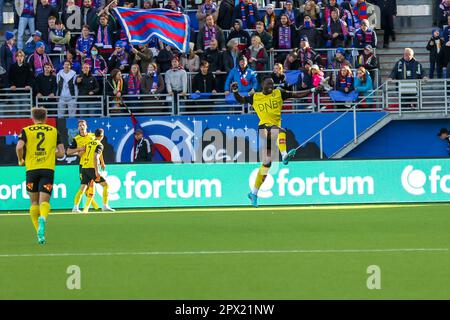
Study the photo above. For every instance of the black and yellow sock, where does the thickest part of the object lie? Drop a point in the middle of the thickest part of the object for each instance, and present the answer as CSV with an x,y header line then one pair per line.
x,y
44,209
34,214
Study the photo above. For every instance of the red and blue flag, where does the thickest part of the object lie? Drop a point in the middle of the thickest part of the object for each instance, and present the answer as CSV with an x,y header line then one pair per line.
x,y
141,25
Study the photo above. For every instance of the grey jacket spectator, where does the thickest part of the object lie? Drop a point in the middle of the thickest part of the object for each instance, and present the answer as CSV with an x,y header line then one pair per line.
x,y
176,79
219,36
142,56
407,67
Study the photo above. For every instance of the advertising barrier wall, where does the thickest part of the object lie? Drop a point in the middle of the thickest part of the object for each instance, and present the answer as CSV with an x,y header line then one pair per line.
x,y
227,184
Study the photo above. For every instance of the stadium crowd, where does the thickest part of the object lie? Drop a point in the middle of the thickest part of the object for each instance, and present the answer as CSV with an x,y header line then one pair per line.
x,y
236,42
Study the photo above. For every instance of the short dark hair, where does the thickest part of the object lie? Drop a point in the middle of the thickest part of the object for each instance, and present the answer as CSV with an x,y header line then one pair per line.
x,y
99,132
39,114
204,63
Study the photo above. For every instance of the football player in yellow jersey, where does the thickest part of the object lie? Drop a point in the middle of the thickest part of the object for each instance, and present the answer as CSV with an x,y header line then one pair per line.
x,y
90,170
77,147
268,106
42,145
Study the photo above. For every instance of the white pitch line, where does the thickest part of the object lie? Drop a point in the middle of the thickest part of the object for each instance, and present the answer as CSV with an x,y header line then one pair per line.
x,y
183,253
231,209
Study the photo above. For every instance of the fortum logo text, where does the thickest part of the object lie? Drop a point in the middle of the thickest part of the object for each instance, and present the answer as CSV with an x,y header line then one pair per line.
x,y
311,186
416,182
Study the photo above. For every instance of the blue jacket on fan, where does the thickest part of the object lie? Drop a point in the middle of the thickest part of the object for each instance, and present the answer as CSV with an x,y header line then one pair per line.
x,y
246,79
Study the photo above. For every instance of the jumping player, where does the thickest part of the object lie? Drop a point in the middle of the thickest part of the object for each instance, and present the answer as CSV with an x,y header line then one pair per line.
x,y
268,105
90,171
42,145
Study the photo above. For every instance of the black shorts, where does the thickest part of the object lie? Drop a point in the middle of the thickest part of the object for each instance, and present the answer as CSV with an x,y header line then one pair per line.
x,y
40,180
87,175
272,133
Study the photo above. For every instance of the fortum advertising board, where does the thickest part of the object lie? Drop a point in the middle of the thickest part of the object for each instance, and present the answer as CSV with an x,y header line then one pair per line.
x,y
227,184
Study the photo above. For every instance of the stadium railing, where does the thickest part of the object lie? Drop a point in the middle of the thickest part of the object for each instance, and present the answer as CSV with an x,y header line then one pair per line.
x,y
85,106
150,104
15,103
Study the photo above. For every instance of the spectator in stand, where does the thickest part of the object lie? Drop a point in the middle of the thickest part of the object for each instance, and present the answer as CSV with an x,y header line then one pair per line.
x,y
26,10
71,16
150,4
336,31
269,19
369,61
45,86
104,29
88,13
164,58
266,38
444,58
72,58
174,5
207,8
67,91
244,76
38,59
360,12
304,80
307,53
115,88
446,31
59,38
388,10
240,35
209,32
98,65
20,75
364,36
30,45
119,58
284,37
231,56
310,8
87,86
256,55
279,78
84,43
407,67
43,12
213,56
143,148
8,52
317,75
326,11
435,45
152,81
247,12
226,10
133,83
291,62
176,80
309,31
204,81
292,13
345,87
364,85
340,60
142,56
191,61
349,17
444,12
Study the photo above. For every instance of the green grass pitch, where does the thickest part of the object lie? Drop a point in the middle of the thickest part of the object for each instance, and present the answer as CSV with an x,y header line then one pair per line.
x,y
232,253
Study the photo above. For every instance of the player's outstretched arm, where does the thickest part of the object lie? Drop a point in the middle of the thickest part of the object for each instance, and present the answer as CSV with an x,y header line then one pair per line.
x,y
238,97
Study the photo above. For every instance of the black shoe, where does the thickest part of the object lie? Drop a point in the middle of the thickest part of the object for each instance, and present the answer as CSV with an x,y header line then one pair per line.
x,y
386,46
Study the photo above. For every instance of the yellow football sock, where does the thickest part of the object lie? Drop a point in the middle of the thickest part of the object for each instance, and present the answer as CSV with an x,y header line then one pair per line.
x,y
34,214
44,209
94,204
282,142
78,198
262,174
105,195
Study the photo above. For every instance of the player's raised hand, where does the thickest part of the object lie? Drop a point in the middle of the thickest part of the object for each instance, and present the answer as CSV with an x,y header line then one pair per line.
x,y
234,86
